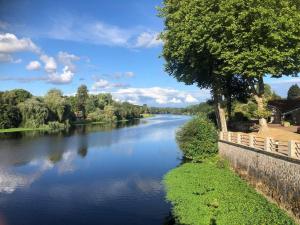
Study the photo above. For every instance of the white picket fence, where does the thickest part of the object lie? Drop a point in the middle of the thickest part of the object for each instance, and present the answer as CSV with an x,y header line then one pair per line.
x,y
287,148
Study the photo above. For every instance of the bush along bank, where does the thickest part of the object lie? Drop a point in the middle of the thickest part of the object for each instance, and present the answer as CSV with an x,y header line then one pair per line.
x,y
206,191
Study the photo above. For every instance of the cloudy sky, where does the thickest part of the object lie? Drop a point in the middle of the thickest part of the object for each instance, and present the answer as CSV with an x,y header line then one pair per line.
x,y
111,46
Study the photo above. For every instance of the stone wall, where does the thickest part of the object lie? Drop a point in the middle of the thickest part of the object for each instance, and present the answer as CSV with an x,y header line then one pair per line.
x,y
277,176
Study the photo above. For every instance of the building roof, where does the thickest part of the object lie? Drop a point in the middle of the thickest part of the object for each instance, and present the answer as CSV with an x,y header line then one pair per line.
x,y
285,106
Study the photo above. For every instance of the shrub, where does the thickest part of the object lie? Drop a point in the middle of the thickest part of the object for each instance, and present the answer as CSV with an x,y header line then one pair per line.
x,y
286,124
198,138
54,125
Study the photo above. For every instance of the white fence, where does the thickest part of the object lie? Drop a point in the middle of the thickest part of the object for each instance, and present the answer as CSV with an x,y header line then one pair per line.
x,y
287,148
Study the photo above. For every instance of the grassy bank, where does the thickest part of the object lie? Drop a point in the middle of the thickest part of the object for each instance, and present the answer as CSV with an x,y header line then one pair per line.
x,y
22,129
147,115
210,193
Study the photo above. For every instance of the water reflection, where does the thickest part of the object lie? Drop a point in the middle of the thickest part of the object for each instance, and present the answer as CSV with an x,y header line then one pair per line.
x,y
90,175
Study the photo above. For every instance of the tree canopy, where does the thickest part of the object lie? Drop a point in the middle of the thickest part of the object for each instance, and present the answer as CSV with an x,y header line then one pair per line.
x,y
293,92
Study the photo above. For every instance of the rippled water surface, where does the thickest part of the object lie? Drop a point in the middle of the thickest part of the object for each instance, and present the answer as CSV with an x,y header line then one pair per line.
x,y
90,175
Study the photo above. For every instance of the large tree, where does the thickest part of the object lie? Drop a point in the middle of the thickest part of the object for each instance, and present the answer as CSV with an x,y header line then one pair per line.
x,y
259,38
57,104
82,97
189,47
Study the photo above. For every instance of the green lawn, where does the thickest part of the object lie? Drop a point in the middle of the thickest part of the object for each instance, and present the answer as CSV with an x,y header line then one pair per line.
x,y
147,115
207,193
19,129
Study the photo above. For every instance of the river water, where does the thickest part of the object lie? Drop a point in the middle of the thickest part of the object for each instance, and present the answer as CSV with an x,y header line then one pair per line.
x,y
90,175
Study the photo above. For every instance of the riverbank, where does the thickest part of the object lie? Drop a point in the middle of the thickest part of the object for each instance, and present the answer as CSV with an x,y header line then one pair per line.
x,y
206,191
83,122
23,129
210,193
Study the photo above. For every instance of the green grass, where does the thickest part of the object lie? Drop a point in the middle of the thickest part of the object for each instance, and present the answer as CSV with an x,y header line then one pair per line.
x,y
147,115
205,193
21,129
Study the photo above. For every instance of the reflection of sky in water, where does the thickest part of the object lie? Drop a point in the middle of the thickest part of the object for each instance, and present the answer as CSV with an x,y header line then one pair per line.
x,y
107,175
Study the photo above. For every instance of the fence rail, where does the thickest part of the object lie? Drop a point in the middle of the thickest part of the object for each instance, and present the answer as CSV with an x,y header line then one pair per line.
x,y
287,148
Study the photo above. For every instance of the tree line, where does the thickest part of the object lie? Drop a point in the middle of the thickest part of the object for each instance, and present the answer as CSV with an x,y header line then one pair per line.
x,y
229,46
19,108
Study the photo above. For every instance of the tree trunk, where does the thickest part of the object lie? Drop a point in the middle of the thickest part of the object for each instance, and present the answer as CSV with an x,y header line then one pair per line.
x,y
259,98
220,113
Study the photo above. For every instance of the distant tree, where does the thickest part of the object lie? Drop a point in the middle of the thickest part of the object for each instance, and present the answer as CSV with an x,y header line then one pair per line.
x,y
82,96
34,113
92,103
10,116
104,100
57,104
294,92
21,95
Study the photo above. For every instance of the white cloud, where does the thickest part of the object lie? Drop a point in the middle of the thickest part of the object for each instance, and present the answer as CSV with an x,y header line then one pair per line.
x,y
148,40
101,83
50,63
63,78
7,58
67,59
158,95
79,29
190,99
33,65
9,43
175,100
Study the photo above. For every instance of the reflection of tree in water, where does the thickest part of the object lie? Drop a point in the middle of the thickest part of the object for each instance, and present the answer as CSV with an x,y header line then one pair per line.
x,y
83,146
83,152
169,220
55,157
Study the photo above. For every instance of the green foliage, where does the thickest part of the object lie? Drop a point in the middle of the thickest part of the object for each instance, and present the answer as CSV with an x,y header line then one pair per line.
x,y
204,108
10,116
54,111
14,96
210,193
198,138
259,37
293,92
57,105
82,96
55,125
34,113
250,110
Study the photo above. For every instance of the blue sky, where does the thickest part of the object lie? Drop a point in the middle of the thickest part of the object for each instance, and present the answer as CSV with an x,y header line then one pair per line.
x,y
111,46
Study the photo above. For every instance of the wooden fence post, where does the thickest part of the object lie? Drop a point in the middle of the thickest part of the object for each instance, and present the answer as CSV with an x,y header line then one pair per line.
x,y
238,138
221,135
229,136
292,149
251,140
268,142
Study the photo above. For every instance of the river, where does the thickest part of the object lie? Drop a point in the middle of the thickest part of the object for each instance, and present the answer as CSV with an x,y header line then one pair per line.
x,y
92,174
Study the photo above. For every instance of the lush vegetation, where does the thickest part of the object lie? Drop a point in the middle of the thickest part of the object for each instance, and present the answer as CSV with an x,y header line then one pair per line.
x,y
293,92
210,193
198,138
230,46
20,110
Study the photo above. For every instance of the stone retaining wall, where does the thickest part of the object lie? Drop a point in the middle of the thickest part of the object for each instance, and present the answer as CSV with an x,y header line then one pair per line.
x,y
277,176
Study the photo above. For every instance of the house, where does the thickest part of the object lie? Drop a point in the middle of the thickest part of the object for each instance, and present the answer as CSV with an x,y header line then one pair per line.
x,y
285,110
